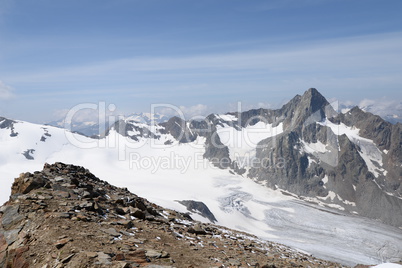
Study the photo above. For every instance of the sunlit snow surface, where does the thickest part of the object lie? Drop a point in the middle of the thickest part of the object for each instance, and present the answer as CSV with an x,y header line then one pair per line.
x,y
388,265
163,174
242,143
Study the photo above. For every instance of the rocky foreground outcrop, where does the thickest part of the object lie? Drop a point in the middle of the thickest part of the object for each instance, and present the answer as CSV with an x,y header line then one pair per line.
x,y
64,216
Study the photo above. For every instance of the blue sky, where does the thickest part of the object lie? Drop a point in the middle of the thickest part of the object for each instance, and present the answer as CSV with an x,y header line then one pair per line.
x,y
201,55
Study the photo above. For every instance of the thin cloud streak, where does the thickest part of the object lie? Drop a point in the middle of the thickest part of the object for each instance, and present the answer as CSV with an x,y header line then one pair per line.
x,y
382,107
369,54
6,92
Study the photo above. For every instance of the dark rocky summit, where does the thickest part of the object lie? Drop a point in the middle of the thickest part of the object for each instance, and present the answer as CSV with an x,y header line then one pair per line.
x,y
64,216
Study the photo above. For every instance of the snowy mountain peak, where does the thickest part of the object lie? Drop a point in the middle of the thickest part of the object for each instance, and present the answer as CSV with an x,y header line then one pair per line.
x,y
147,118
314,99
91,127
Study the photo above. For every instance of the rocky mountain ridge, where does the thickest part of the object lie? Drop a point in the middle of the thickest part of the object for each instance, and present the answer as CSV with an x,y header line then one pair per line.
x,y
64,216
96,128
350,161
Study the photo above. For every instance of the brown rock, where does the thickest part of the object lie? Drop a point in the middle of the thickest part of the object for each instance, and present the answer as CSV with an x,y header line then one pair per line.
x,y
26,182
3,256
127,224
139,204
197,229
91,254
61,194
81,217
121,264
104,258
269,266
120,211
68,258
138,213
15,258
64,215
137,256
3,243
119,257
133,241
111,231
153,254
59,244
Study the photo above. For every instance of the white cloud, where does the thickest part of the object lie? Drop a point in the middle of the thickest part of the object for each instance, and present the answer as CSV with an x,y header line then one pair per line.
x,y
199,110
100,114
83,115
357,57
194,112
388,109
382,107
6,91
242,106
342,68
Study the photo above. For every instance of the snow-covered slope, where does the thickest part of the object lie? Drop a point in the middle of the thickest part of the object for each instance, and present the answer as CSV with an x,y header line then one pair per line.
x,y
167,172
242,142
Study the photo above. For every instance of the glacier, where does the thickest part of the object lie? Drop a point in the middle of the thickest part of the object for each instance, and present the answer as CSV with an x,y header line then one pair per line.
x,y
164,173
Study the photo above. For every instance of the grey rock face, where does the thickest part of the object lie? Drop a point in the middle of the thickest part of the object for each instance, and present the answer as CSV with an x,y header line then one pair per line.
x,y
345,173
11,216
294,173
28,153
215,150
199,207
133,130
11,235
179,129
388,138
8,124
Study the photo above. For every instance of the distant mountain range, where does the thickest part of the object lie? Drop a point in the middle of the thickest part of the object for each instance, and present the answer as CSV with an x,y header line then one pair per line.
x,y
304,175
92,128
